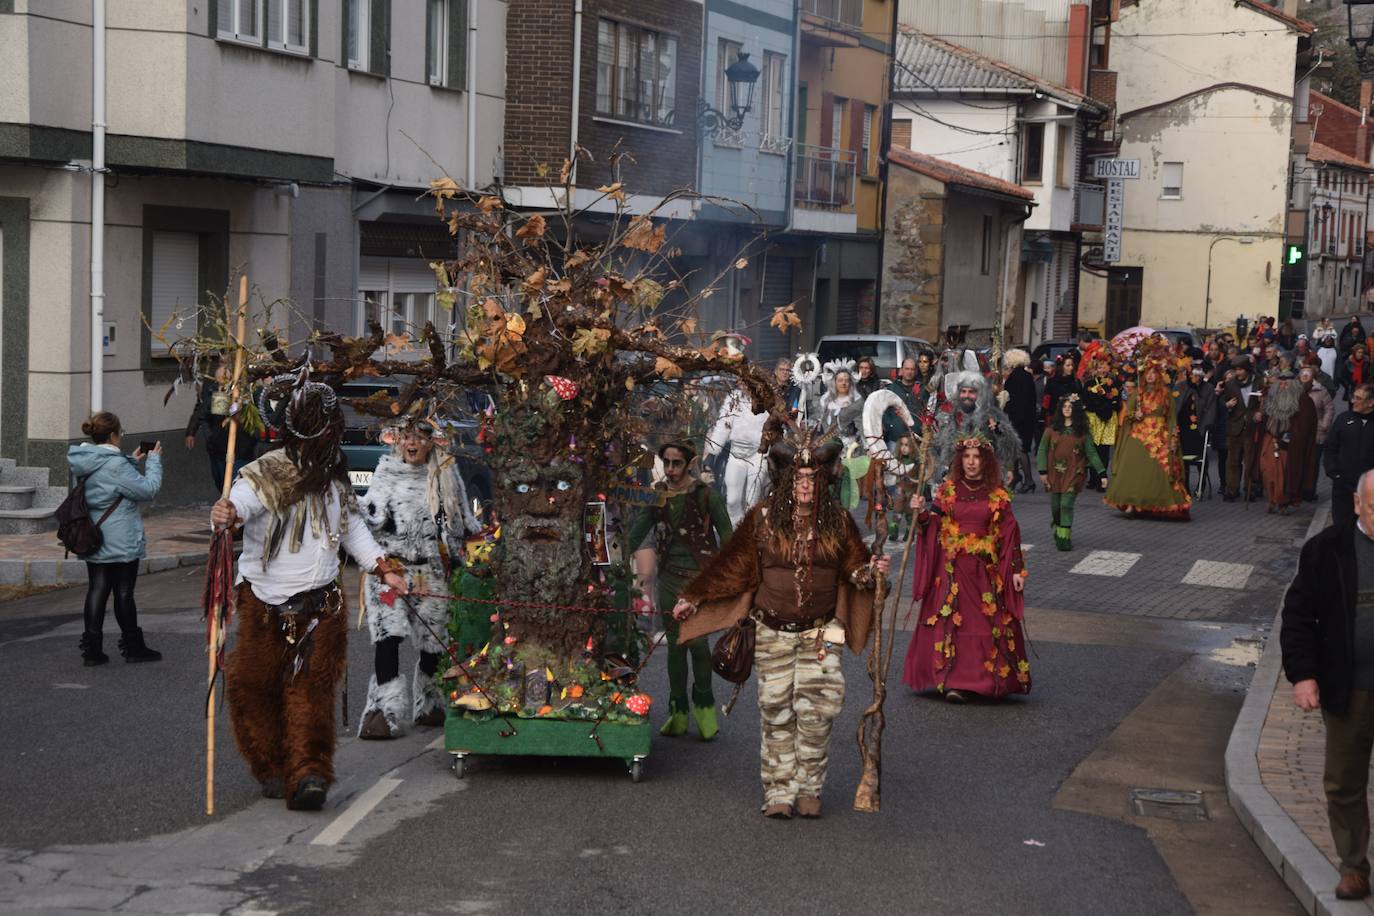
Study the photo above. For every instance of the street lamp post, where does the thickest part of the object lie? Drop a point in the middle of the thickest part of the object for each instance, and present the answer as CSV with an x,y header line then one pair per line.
x,y
740,77
1360,42
1207,307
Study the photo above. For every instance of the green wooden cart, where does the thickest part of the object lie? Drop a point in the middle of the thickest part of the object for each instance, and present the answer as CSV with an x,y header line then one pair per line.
x,y
516,737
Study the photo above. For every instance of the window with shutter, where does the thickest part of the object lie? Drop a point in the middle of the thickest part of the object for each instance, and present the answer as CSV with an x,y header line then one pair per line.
x,y
175,288
1172,181
901,134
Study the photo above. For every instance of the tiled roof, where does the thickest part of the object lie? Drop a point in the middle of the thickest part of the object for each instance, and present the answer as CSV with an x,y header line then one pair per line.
x,y
926,63
1306,28
1320,152
949,173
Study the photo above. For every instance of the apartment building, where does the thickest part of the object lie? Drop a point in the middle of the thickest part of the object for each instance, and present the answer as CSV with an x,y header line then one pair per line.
x,y
960,106
288,140
1204,95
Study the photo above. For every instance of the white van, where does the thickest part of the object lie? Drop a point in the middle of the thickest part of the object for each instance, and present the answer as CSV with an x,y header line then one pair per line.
x,y
887,350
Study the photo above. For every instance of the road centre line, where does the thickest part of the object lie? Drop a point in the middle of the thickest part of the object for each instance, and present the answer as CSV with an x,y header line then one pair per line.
x,y
353,815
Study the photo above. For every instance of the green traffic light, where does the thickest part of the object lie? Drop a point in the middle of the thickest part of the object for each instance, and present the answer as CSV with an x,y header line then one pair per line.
x,y
1295,254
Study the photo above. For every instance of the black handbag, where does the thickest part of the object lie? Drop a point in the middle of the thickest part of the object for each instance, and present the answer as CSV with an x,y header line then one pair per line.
x,y
733,656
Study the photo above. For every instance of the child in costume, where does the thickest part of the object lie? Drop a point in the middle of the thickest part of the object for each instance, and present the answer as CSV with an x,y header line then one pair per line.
x,y
416,506
1066,452
690,526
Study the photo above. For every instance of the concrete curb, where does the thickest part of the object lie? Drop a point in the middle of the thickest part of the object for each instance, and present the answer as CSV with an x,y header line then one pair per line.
x,y
1303,867
71,571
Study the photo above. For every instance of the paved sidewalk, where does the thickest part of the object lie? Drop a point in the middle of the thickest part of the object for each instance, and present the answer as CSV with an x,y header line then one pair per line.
x,y
179,537
1274,768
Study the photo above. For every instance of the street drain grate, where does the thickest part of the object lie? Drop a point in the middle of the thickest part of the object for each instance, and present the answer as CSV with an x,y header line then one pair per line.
x,y
1173,804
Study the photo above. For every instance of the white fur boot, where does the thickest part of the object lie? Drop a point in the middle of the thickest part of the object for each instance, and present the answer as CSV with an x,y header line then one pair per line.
x,y
383,714
429,699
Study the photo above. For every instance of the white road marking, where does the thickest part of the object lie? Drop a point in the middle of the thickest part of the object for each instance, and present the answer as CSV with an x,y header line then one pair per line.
x,y
66,686
1106,563
1218,575
436,745
353,815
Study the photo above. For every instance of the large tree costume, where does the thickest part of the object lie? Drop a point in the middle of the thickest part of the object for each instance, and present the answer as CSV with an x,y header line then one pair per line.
x,y
1147,468
804,575
969,637
688,528
298,509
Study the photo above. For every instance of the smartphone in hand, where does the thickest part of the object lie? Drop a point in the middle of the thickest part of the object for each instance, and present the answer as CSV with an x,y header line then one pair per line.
x,y
146,447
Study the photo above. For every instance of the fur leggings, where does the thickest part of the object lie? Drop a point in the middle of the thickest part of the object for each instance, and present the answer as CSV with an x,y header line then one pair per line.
x,y
284,724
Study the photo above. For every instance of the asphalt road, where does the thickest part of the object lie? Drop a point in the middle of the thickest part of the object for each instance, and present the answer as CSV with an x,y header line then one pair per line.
x,y
1016,807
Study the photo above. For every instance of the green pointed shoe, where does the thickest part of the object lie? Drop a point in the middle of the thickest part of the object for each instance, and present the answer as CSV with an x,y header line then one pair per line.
x,y
676,726
1061,539
705,717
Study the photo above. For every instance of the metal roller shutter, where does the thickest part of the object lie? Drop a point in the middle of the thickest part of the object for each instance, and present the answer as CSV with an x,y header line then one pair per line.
x,y
777,292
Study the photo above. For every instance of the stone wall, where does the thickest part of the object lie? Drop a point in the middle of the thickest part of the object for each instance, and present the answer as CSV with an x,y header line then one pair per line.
x,y
913,256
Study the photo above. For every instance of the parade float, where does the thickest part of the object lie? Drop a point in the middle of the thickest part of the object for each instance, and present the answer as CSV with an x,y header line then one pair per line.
x,y
566,319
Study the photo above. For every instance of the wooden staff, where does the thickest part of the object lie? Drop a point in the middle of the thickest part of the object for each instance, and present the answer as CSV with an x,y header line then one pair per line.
x,y
868,796
217,609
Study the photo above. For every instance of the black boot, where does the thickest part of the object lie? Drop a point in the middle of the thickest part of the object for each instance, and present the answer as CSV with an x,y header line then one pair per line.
x,y
91,654
134,649
310,794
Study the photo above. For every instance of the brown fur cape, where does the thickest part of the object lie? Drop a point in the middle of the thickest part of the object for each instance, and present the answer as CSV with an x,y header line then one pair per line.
x,y
724,590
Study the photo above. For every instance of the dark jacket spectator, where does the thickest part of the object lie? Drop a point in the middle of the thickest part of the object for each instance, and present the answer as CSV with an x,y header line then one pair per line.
x,y
217,434
1349,452
1021,406
1319,616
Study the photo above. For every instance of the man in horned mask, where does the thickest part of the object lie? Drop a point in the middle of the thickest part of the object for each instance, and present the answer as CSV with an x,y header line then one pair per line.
x,y
297,508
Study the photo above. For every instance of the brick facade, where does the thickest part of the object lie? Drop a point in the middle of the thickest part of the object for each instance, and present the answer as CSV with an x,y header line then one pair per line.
x,y
538,98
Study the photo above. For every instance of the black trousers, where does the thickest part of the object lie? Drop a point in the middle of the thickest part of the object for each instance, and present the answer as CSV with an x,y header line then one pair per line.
x,y
1342,504
105,579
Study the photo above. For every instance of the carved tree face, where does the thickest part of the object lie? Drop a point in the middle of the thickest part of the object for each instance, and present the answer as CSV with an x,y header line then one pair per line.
x,y
541,508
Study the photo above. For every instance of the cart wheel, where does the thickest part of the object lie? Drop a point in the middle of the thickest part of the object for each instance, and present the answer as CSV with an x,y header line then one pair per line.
x,y
636,770
458,765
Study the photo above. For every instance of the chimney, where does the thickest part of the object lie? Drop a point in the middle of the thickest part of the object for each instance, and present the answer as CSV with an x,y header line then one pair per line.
x,y
1080,34
1362,135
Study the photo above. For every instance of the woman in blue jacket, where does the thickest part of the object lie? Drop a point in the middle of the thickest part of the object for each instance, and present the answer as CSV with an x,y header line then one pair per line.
x,y
111,476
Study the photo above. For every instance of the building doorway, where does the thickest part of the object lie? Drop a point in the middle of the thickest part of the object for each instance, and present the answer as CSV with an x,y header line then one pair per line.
x,y
1124,285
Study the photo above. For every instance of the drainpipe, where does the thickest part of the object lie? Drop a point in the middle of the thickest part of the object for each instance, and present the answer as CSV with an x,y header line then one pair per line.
x,y
472,96
97,206
576,100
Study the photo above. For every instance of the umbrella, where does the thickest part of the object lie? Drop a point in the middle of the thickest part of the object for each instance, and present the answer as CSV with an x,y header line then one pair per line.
x,y
1125,343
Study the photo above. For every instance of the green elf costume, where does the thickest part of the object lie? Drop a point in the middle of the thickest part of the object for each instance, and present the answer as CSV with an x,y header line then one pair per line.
x,y
1066,452
689,527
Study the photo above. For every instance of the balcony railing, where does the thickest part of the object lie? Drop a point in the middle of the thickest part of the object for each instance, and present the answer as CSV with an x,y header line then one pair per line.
x,y
825,177
845,12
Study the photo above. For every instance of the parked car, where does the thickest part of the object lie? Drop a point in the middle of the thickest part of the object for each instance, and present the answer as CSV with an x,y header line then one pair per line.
x,y
888,351
1177,334
363,448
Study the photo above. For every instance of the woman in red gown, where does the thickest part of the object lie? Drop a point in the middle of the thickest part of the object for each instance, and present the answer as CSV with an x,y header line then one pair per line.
x,y
969,579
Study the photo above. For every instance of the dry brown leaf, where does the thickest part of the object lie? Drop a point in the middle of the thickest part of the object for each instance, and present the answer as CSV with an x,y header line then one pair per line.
x,y
443,189
532,229
642,236
488,204
565,172
577,259
629,383
535,281
561,285
688,325
542,170
741,263
614,191
666,368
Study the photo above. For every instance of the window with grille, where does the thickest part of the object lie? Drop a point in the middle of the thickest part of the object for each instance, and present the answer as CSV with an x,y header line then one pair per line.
x,y
636,73
866,148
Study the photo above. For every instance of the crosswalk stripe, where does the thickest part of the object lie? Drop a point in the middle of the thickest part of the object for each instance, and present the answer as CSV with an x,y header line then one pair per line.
x,y
1111,563
1215,574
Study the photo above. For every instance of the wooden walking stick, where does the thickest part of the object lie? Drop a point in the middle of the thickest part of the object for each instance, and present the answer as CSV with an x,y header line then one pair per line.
x,y
222,553
868,796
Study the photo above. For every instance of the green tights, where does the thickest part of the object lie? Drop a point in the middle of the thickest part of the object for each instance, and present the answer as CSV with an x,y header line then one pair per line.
x,y
1061,509
700,651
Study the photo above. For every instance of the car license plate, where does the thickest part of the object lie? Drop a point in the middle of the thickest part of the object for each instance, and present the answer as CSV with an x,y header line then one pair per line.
x,y
360,478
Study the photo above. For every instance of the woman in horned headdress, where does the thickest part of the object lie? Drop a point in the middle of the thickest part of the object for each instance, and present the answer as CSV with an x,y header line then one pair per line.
x,y
798,566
